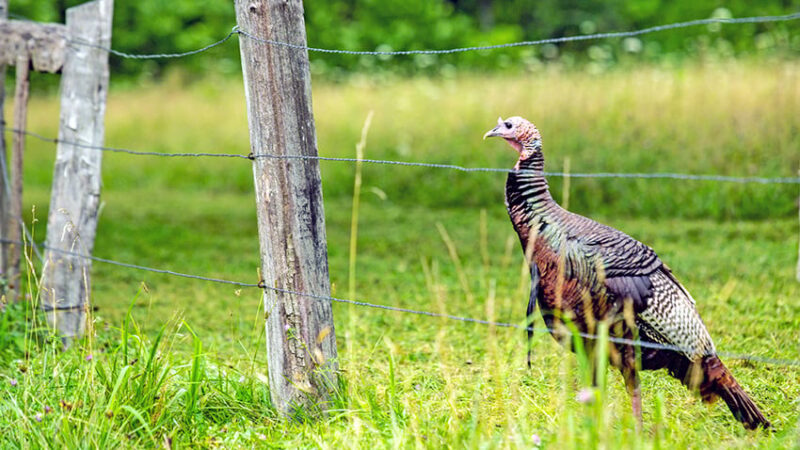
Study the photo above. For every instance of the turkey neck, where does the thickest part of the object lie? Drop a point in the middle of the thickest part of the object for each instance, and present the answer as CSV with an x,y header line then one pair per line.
x,y
527,192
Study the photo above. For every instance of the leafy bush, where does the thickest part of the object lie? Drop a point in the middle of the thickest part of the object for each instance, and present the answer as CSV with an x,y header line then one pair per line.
x,y
152,26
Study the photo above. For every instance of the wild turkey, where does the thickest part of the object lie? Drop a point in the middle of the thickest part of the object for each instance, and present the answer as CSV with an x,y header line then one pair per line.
x,y
585,272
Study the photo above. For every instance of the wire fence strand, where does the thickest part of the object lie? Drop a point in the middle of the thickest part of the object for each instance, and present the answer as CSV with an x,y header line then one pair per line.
x,y
657,175
39,246
53,140
557,40
678,176
556,332
156,55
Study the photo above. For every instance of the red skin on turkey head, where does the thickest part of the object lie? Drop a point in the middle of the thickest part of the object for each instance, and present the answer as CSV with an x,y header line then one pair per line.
x,y
516,131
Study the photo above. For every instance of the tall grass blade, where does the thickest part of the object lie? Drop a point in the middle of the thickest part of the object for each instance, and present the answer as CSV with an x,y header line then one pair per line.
x,y
355,210
453,252
351,267
143,422
197,373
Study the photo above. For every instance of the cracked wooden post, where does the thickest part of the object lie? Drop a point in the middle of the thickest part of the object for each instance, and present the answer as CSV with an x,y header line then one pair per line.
x,y
301,344
72,219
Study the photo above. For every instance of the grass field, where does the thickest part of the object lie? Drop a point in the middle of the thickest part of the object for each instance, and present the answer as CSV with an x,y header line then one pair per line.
x,y
181,363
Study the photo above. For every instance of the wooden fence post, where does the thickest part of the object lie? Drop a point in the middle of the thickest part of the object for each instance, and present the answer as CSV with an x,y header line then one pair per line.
x,y
23,44
72,219
4,193
301,343
14,217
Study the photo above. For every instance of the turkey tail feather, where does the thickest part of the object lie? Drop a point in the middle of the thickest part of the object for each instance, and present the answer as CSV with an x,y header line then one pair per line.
x,y
718,382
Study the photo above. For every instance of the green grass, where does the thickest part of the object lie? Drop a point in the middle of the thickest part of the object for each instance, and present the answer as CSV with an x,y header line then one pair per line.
x,y
183,361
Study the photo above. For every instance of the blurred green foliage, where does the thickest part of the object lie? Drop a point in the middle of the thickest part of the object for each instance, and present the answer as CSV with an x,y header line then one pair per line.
x,y
154,26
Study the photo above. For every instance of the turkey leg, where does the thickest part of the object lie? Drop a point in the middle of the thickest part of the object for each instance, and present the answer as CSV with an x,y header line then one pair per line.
x,y
632,386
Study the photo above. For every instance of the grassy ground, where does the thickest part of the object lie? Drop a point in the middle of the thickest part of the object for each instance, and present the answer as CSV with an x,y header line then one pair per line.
x,y
177,362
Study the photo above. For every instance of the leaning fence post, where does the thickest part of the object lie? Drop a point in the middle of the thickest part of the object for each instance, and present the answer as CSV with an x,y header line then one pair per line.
x,y
72,219
301,345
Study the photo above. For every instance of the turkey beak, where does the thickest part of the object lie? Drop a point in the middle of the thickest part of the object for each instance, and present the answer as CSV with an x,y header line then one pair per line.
x,y
492,133
496,131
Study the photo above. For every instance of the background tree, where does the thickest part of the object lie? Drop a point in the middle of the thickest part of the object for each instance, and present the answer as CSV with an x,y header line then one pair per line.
x,y
154,26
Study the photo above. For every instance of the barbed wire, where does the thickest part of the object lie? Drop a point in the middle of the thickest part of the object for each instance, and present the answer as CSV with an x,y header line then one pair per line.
x,y
118,149
155,55
679,176
558,40
657,175
262,285
39,246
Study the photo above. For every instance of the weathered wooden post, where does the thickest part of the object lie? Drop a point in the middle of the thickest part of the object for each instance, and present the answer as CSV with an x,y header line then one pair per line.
x,y
21,94
301,343
72,219
23,44
4,194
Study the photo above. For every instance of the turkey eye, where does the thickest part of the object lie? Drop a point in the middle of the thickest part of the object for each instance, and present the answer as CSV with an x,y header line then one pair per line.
x,y
508,125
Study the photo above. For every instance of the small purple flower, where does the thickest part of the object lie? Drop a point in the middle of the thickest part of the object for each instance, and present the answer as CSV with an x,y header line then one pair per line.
x,y
537,441
286,327
585,396
13,382
89,357
38,417
47,409
261,436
